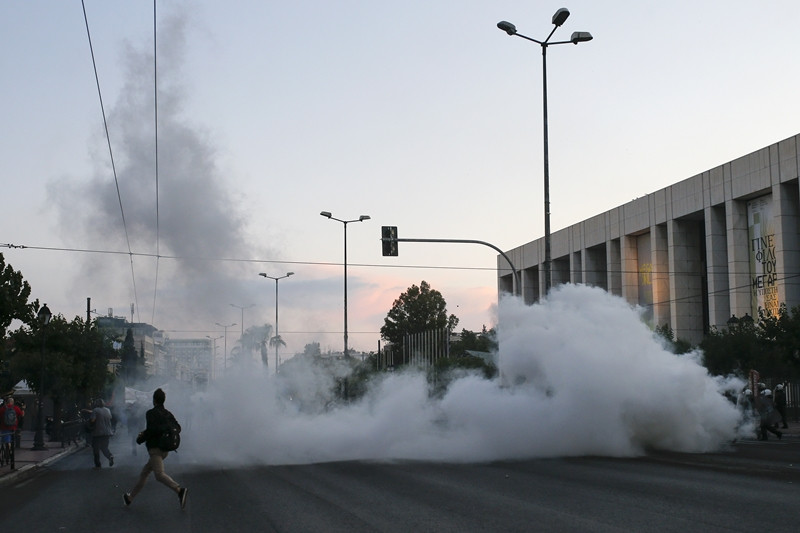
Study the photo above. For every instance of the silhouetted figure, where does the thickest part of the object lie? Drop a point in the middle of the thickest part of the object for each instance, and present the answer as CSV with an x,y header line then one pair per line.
x,y
158,419
768,414
780,403
101,432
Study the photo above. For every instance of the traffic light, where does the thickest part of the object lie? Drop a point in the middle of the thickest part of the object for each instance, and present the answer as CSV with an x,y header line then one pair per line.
x,y
389,238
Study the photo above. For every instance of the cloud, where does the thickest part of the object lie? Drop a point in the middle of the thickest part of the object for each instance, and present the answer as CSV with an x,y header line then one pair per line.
x,y
580,375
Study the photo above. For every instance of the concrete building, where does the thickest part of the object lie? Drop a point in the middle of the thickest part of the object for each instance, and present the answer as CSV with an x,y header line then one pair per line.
x,y
147,339
724,242
189,360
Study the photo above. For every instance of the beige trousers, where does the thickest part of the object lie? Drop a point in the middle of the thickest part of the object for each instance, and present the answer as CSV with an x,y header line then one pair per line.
x,y
155,465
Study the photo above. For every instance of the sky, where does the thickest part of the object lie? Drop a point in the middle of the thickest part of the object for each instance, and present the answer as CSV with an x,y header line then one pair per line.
x,y
422,115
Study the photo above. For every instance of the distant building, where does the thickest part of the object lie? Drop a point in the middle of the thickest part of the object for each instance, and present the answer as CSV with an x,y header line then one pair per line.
x,y
147,339
189,360
724,242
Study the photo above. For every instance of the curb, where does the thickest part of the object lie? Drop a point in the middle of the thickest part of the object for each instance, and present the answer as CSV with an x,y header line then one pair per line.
x,y
31,468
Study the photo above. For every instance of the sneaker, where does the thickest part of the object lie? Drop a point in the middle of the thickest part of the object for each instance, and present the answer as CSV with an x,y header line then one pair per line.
x,y
182,493
111,461
126,498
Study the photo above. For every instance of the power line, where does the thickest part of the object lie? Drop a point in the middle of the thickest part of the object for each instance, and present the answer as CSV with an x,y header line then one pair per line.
x,y
155,120
110,152
233,260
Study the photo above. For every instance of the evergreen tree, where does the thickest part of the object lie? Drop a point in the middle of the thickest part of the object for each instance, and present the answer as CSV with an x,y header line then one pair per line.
x,y
414,311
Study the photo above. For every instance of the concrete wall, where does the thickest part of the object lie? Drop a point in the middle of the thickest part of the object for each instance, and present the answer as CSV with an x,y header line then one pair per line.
x,y
701,240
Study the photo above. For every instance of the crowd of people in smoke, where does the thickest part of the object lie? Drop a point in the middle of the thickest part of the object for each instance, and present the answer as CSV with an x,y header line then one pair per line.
x,y
766,409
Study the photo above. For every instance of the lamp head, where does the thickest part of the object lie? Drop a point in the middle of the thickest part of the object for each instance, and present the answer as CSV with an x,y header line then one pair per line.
x,y
580,37
263,274
362,218
560,16
44,314
289,274
507,27
326,214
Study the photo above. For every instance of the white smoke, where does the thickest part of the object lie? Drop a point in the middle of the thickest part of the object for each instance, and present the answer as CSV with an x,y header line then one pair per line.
x,y
580,375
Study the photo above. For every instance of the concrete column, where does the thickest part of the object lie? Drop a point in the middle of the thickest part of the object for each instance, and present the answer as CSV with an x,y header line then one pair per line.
x,y
719,308
685,279
576,267
738,256
614,267
660,276
786,206
595,267
630,269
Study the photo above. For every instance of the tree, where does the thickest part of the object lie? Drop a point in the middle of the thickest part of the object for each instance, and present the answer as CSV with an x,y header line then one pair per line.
x,y
254,338
312,349
75,359
485,341
14,294
129,357
678,346
416,310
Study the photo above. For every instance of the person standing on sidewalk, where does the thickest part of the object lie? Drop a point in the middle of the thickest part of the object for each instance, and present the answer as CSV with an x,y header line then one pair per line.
x,y
100,422
11,415
158,420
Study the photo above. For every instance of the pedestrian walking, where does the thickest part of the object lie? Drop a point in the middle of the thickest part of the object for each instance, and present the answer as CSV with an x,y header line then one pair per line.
x,y
160,422
780,403
100,421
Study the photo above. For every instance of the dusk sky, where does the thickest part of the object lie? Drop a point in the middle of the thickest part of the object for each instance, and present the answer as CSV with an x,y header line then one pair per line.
x,y
421,114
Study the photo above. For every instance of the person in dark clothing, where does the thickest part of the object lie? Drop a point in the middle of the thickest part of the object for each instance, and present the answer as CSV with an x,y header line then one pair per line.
x,y
766,410
780,403
158,419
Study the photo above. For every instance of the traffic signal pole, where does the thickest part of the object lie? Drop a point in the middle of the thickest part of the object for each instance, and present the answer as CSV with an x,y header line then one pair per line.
x,y
394,239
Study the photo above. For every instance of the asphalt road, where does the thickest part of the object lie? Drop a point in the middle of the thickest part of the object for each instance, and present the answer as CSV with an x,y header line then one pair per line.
x,y
752,487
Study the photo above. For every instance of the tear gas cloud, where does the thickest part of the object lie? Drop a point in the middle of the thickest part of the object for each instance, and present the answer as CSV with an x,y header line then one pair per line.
x,y
580,374
192,217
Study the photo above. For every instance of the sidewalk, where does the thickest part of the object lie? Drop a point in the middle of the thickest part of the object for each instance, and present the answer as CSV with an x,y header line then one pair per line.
x,y
26,459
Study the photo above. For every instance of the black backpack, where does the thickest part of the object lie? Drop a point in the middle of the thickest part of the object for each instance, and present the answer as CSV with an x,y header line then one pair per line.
x,y
170,438
10,417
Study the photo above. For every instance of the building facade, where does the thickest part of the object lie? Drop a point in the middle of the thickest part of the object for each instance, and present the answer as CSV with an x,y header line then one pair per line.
x,y
722,243
189,360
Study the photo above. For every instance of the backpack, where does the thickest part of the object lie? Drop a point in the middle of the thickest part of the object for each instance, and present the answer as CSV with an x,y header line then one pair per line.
x,y
10,417
170,438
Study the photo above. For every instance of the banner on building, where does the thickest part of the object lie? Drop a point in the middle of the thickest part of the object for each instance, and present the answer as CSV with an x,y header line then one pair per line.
x,y
763,264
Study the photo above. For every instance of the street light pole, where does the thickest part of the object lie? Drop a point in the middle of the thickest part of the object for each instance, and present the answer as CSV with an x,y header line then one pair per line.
x,y
559,18
226,341
214,352
277,337
44,316
241,339
362,218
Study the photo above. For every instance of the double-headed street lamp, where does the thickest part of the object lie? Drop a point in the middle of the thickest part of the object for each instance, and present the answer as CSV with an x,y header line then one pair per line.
x,y
577,37
277,337
226,341
362,218
44,316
